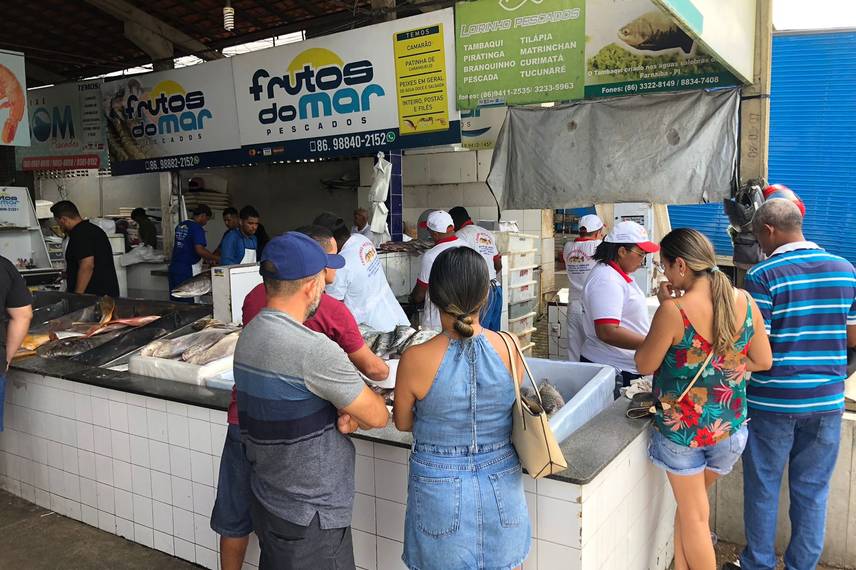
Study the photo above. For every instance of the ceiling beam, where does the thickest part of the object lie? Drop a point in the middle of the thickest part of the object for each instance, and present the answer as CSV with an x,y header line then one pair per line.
x,y
127,12
42,75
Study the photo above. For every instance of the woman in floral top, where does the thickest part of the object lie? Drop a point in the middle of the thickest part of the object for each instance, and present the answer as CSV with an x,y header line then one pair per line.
x,y
700,436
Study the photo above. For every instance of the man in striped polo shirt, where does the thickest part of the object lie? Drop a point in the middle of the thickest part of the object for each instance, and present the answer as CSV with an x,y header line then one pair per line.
x,y
807,298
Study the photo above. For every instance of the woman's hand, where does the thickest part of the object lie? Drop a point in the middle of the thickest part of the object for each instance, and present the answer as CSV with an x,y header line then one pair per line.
x,y
667,291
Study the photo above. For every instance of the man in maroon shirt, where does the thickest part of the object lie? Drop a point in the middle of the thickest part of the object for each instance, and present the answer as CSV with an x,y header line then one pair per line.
x,y
231,515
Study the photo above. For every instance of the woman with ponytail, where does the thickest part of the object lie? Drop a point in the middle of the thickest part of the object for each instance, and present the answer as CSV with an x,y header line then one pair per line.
x,y
706,330
465,502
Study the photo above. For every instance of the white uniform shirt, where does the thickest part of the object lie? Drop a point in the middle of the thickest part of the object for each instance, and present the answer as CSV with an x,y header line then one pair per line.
x,y
483,242
579,261
611,296
361,284
366,231
430,312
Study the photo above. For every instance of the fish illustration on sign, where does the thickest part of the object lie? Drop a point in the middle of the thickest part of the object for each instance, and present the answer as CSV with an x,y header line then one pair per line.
x,y
512,5
655,31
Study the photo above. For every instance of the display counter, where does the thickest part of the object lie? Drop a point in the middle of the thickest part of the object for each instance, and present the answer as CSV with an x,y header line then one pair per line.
x,y
139,457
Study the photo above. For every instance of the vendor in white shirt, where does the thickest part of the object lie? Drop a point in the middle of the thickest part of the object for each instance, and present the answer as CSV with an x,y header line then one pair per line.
x,y
579,261
361,223
616,315
361,284
442,229
483,242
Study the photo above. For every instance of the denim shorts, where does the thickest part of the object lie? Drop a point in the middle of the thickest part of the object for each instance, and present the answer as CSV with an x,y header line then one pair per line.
x,y
231,516
682,460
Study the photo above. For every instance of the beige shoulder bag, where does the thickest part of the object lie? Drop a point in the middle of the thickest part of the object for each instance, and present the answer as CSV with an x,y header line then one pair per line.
x,y
531,435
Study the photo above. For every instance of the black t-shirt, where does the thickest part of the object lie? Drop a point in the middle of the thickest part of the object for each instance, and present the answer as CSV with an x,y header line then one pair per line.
x,y
13,294
88,240
148,233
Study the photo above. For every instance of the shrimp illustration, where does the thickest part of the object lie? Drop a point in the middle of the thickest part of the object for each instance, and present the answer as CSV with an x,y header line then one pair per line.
x,y
11,97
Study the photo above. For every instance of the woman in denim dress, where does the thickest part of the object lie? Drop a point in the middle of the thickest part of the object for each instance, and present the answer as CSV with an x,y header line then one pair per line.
x,y
465,502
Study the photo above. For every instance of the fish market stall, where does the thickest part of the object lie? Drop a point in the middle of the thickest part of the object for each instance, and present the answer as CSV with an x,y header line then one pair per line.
x,y
91,438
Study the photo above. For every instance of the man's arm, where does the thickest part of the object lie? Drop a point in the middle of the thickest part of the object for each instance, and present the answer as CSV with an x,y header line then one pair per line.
x,y
85,270
417,296
206,255
16,330
497,263
369,363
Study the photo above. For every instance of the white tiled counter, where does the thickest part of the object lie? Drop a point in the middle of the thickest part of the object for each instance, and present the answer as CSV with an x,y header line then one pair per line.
x,y
145,468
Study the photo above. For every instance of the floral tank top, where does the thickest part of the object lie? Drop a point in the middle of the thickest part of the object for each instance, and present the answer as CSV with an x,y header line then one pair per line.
x,y
715,407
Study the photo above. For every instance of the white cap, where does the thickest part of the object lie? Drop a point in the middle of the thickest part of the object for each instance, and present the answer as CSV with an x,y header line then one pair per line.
x,y
440,221
631,232
591,223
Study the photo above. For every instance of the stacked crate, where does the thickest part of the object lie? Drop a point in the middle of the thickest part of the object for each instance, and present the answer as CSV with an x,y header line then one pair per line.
x,y
520,287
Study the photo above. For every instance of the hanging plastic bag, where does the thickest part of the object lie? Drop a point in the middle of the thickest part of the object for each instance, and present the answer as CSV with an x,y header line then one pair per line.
x,y
382,174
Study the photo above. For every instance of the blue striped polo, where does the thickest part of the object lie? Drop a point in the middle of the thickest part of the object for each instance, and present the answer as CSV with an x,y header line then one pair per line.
x,y
807,298
291,381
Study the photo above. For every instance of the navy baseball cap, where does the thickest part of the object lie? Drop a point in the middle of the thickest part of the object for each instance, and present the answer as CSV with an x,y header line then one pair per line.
x,y
295,256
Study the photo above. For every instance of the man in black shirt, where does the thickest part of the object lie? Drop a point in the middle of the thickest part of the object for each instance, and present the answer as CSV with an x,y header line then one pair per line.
x,y
88,256
147,229
16,317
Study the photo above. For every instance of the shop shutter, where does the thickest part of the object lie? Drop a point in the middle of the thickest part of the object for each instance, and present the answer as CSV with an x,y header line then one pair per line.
x,y
812,140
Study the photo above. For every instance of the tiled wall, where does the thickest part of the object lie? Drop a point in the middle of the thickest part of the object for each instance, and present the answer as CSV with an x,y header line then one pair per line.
x,y
622,520
142,468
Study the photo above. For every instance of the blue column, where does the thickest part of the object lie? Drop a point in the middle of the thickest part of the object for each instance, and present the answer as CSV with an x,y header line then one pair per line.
x,y
395,201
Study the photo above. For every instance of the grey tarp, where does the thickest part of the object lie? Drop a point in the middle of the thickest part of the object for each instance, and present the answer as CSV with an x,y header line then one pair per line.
x,y
669,149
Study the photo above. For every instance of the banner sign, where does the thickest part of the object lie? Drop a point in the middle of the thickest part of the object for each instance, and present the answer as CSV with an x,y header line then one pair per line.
x,y
183,118
528,51
517,52
67,129
14,121
726,28
481,126
349,94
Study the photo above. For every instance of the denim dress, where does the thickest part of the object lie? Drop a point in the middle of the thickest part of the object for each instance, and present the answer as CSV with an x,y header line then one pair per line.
x,y
465,502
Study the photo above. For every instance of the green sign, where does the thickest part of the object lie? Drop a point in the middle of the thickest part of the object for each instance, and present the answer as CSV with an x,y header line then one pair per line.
x,y
519,51
601,48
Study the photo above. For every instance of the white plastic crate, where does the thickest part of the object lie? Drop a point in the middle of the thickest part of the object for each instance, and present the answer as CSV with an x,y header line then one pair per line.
x,y
516,310
521,275
508,242
521,259
524,338
522,292
522,324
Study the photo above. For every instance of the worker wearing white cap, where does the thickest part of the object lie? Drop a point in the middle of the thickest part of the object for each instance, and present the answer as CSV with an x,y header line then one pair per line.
x,y
442,229
579,261
616,315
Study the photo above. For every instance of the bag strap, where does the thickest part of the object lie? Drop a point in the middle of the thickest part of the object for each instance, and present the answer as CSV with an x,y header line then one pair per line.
x,y
510,341
697,376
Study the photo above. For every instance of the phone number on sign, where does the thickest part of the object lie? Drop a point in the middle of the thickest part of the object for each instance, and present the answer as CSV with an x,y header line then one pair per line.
x,y
525,90
173,163
348,142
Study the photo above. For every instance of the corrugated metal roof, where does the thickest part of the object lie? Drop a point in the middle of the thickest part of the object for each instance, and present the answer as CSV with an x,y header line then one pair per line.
x,y
812,140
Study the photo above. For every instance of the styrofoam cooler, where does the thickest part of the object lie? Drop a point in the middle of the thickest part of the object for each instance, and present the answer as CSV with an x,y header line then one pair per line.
x,y
520,275
522,292
515,241
521,259
586,388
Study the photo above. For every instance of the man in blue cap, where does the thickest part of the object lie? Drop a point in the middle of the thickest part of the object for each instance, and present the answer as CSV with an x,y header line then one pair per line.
x,y
295,388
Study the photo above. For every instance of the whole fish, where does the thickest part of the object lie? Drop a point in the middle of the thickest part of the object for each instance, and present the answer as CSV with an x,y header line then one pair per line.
x,y
121,323
175,347
419,338
655,31
401,335
221,349
196,286
73,346
551,399
383,345
34,341
48,312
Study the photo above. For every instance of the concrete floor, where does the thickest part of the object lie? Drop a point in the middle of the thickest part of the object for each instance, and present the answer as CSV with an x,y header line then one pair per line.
x,y
32,538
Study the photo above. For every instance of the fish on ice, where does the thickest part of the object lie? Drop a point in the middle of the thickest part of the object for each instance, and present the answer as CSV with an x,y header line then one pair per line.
x,y
175,347
221,349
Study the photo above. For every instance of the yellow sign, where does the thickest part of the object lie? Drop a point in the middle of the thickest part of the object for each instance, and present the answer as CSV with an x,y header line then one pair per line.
x,y
420,72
